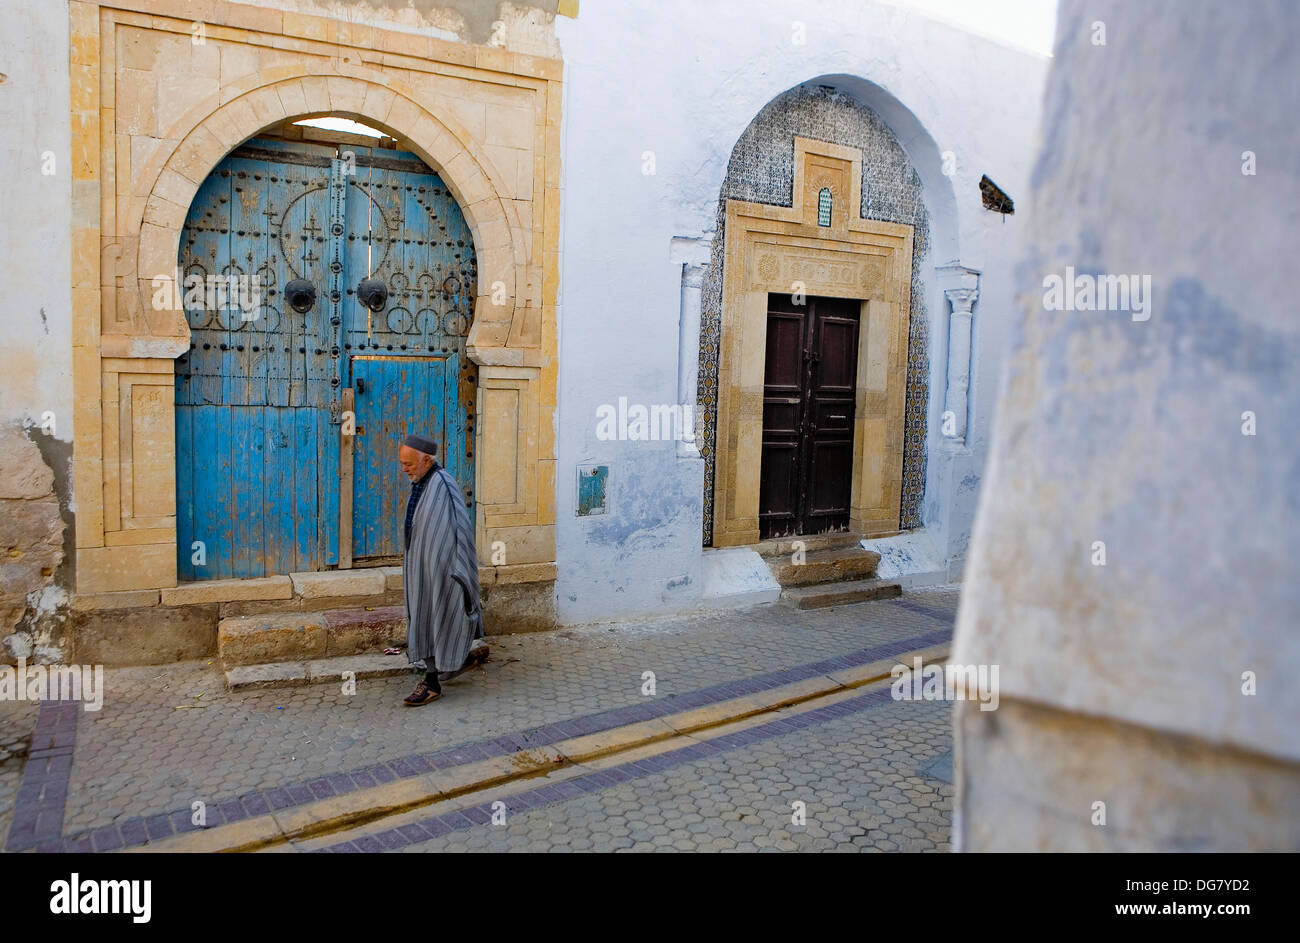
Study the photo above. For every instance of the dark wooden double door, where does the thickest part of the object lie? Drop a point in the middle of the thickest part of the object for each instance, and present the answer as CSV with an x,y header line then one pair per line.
x,y
808,402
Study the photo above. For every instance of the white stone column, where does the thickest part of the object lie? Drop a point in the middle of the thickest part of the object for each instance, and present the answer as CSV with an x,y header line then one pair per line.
x,y
960,286
959,350
688,358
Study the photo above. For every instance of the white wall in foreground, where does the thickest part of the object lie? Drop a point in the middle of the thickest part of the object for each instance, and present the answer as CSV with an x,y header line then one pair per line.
x,y
1125,683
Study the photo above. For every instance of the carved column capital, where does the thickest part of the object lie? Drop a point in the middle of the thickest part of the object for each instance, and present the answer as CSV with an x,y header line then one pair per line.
x,y
962,299
692,274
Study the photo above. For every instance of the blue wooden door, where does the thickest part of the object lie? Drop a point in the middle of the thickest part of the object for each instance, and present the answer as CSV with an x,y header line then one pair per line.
x,y
409,372
394,394
258,395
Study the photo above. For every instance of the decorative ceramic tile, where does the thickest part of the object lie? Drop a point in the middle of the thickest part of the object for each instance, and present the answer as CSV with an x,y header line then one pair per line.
x,y
761,170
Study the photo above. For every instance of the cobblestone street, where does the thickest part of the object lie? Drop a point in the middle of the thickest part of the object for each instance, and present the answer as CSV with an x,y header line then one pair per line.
x,y
877,780
870,771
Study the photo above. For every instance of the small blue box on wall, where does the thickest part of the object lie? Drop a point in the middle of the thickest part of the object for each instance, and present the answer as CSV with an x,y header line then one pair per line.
x,y
591,490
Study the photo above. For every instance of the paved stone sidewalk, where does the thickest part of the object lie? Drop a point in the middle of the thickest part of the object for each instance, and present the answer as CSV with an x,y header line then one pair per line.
x,y
169,736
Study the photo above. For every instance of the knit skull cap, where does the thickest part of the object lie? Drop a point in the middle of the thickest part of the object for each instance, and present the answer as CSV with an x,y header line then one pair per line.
x,y
421,443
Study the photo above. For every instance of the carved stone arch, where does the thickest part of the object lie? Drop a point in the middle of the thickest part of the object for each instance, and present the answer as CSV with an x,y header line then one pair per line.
x,y
366,96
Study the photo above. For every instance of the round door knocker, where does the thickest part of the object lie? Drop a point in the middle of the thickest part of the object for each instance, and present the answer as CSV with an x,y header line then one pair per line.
x,y
301,295
373,293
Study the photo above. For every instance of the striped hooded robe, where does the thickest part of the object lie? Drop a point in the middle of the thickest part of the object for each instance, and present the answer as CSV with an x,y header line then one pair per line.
x,y
440,577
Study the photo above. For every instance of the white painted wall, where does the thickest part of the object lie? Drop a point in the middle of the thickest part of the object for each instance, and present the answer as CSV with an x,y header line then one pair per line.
x,y
35,215
1130,433
683,80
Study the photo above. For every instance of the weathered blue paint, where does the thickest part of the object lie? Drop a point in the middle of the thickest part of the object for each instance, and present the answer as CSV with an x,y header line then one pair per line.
x,y
258,401
400,394
403,225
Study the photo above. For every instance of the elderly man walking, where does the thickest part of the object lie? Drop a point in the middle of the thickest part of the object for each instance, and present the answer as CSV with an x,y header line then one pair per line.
x,y
439,573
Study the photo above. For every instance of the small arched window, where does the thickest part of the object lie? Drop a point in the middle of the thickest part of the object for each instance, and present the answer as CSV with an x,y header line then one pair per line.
x,y
824,207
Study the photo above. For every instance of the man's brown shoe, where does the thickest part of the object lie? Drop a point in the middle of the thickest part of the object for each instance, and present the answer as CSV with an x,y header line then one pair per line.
x,y
422,694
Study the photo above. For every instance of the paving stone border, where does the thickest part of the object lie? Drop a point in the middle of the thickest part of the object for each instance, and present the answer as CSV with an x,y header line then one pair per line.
x,y
910,603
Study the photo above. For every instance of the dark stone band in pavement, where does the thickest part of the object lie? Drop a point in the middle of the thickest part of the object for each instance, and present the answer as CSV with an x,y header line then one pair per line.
x,y
43,792
914,606
141,831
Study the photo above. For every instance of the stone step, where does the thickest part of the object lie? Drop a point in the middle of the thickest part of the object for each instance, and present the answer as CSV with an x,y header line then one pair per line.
x,y
276,638
821,595
368,629
824,566
784,546
284,674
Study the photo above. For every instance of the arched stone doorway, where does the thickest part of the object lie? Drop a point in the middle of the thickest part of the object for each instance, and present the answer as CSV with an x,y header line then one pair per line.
x,y
289,409
487,123
768,177
768,199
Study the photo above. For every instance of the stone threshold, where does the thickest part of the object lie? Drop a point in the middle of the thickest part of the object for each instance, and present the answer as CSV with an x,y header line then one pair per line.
x,y
316,586
784,546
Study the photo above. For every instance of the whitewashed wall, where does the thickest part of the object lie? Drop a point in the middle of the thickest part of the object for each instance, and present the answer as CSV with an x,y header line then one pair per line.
x,y
1133,569
36,501
682,80
35,214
